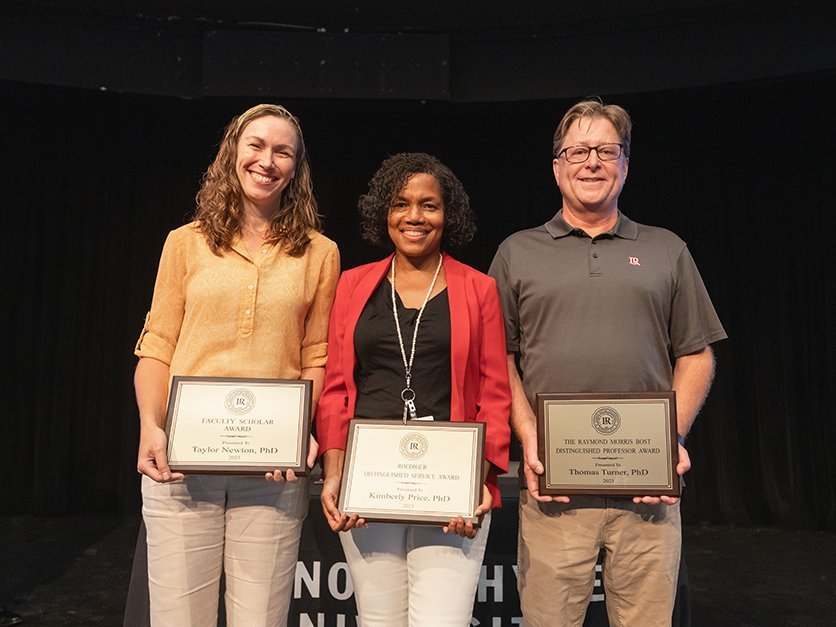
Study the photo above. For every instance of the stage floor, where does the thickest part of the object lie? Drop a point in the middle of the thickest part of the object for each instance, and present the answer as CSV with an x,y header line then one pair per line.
x,y
76,570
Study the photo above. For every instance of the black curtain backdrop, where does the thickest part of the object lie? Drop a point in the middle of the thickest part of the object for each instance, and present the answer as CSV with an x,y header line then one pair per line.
x,y
91,182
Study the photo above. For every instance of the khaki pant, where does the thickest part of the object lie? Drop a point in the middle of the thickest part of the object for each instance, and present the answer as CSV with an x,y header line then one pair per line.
x,y
247,525
558,548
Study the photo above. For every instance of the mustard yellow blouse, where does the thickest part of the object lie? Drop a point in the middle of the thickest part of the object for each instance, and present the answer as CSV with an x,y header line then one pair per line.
x,y
237,316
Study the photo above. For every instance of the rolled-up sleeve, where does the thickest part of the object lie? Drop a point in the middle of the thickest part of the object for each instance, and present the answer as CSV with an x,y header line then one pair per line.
x,y
163,322
315,339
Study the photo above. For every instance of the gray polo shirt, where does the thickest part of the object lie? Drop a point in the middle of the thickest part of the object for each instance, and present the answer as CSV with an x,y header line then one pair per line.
x,y
603,314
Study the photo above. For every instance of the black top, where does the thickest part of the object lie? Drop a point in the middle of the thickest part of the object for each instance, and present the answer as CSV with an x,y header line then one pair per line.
x,y
379,372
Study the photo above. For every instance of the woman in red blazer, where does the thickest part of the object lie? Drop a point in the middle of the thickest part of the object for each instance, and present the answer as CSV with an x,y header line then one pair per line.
x,y
415,574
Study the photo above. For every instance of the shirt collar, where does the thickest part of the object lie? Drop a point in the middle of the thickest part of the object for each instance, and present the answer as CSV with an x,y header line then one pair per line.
x,y
237,244
624,228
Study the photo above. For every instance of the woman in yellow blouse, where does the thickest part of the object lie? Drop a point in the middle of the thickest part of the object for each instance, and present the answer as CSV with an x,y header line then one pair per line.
x,y
242,291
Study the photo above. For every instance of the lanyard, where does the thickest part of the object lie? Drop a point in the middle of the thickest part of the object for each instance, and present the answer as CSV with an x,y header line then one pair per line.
x,y
408,394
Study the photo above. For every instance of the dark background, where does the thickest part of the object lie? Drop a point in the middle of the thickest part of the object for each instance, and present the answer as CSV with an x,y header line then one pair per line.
x,y
110,112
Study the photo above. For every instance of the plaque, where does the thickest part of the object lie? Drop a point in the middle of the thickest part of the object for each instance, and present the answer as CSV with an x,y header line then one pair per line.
x,y
612,444
414,472
238,426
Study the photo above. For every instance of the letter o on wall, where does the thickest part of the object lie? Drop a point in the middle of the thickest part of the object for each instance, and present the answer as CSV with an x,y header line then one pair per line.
x,y
333,579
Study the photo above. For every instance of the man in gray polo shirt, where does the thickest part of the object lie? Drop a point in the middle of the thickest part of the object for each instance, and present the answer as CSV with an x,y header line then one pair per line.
x,y
595,302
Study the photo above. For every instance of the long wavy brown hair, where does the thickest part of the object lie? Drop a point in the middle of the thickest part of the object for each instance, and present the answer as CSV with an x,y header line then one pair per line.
x,y
220,208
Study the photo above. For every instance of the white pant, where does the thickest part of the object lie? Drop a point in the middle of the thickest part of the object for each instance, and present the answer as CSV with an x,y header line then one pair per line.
x,y
414,575
248,525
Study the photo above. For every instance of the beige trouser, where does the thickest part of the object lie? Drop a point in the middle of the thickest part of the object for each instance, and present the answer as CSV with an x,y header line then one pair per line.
x,y
559,545
248,525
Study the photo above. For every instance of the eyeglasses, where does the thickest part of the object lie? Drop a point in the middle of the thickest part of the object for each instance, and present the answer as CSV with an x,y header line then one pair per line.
x,y
579,154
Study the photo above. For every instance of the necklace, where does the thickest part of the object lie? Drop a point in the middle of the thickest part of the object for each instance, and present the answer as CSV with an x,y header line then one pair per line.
x,y
408,394
256,233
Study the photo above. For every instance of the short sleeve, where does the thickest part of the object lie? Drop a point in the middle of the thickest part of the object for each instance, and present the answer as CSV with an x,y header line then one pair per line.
x,y
694,322
508,298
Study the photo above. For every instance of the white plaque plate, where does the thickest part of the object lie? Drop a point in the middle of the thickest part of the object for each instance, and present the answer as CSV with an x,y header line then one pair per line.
x,y
418,472
608,444
238,426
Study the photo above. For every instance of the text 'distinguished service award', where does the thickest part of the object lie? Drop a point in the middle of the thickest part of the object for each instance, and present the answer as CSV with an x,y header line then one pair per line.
x,y
413,472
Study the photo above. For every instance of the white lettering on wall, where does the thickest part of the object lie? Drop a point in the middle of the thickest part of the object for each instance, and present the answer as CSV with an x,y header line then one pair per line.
x,y
497,621
333,582
311,581
305,620
485,583
596,598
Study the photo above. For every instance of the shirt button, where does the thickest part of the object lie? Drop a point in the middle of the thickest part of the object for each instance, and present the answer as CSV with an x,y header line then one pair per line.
x,y
264,250
247,312
595,255
250,286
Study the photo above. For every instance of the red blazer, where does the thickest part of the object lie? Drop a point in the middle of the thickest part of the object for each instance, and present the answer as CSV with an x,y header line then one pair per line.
x,y
479,386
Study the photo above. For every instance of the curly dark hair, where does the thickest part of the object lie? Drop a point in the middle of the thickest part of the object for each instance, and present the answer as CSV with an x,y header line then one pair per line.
x,y
389,180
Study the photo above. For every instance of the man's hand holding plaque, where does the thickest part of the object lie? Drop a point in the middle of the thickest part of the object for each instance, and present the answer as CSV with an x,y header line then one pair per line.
x,y
616,444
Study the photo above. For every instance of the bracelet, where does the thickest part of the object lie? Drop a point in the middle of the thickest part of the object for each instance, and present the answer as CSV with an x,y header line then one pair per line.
x,y
681,439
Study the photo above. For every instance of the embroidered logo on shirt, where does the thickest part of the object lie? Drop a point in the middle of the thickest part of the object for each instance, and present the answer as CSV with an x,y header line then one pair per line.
x,y
634,261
